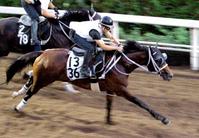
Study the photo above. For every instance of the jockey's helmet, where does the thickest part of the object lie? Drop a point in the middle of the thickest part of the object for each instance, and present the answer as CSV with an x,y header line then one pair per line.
x,y
107,22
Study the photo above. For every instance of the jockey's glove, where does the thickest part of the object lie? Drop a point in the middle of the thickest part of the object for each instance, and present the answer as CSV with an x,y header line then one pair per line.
x,y
119,44
56,16
56,10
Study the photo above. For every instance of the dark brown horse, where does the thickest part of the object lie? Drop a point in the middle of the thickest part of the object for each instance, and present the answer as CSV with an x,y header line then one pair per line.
x,y
50,31
50,66
53,32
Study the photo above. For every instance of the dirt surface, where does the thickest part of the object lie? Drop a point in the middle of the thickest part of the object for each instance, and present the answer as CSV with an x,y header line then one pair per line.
x,y
54,113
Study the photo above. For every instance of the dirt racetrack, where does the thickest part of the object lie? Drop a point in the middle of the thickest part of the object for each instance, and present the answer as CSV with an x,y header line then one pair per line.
x,y
53,113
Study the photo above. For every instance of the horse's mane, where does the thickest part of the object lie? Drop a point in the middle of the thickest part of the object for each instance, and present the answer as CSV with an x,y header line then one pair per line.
x,y
80,15
131,45
73,13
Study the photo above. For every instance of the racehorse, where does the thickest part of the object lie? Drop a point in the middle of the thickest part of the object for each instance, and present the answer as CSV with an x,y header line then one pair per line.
x,y
50,30
50,66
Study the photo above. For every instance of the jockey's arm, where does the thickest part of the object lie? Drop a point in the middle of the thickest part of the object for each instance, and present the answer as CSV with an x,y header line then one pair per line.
x,y
29,1
111,37
47,14
105,47
95,35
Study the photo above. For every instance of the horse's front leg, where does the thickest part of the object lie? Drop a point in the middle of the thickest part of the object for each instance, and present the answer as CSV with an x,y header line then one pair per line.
x,y
143,105
109,101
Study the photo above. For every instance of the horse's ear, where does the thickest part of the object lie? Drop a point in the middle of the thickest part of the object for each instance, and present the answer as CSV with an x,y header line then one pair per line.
x,y
92,8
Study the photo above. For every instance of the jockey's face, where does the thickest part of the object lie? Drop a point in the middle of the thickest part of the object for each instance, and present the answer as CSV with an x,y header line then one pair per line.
x,y
105,29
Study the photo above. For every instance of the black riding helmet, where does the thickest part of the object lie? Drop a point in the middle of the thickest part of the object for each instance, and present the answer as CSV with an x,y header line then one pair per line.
x,y
107,22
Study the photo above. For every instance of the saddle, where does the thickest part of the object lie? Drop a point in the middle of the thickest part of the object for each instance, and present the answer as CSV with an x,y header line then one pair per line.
x,y
75,63
26,20
24,31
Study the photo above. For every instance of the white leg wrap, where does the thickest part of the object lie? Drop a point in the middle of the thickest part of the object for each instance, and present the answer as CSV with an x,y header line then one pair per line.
x,y
69,88
21,105
22,91
30,73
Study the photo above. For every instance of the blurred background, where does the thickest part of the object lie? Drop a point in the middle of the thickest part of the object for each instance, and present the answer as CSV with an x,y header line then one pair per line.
x,y
181,9
54,113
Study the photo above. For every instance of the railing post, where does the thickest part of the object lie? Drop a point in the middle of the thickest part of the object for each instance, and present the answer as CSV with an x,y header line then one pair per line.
x,y
194,55
116,29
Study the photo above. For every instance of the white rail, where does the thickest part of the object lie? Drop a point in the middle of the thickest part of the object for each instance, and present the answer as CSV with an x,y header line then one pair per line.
x,y
193,25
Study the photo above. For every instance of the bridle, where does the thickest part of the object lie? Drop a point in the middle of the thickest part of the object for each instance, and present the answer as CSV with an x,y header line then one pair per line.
x,y
113,63
155,65
91,18
150,59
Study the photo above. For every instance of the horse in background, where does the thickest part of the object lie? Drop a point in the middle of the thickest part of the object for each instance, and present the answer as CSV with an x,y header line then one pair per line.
x,y
50,66
51,30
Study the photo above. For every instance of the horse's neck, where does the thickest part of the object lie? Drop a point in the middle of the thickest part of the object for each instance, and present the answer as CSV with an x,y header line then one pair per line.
x,y
140,58
76,15
44,28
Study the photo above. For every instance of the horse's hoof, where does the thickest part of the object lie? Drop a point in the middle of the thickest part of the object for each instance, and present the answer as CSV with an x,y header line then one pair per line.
x,y
14,94
16,110
166,121
110,123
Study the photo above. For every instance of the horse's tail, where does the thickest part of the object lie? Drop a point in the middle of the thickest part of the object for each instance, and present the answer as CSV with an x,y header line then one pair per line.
x,y
21,63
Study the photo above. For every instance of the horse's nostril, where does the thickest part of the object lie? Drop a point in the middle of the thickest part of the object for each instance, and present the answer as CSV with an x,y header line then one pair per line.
x,y
169,77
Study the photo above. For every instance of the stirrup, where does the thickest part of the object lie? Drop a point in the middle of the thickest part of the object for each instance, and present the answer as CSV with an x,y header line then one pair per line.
x,y
85,72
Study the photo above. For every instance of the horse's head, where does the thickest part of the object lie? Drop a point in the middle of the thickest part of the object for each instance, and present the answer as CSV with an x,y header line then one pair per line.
x,y
93,15
158,63
80,15
149,56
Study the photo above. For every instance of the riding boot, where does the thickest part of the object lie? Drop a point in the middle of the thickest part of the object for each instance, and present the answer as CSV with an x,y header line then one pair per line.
x,y
85,70
37,46
93,76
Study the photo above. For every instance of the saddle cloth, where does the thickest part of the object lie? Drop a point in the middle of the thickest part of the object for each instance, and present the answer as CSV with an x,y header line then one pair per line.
x,y
75,62
24,31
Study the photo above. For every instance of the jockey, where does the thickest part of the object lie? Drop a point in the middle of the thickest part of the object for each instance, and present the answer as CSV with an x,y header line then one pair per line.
x,y
88,34
36,8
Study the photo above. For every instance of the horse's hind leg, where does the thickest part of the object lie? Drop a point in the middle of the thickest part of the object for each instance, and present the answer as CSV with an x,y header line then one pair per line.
x,y
34,89
143,105
24,101
36,86
24,88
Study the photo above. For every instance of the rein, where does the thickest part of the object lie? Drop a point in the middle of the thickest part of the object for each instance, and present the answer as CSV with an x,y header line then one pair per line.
x,y
150,58
110,64
61,24
43,42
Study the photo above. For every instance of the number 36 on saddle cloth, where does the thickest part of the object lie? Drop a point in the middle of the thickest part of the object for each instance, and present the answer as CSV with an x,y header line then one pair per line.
x,y
75,62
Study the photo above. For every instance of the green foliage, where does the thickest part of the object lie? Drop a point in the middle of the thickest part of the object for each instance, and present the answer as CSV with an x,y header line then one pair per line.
x,y
10,2
174,35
